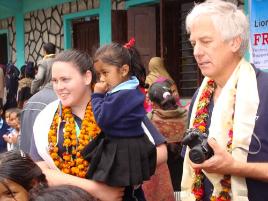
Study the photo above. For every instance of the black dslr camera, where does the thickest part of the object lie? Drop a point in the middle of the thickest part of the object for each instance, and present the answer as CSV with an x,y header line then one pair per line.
x,y
197,141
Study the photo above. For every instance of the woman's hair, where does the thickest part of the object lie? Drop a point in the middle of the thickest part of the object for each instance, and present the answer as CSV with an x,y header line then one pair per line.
x,y
80,59
161,94
30,69
60,193
118,55
227,19
18,167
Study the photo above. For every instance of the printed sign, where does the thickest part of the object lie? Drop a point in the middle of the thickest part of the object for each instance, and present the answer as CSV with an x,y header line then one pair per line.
x,y
259,33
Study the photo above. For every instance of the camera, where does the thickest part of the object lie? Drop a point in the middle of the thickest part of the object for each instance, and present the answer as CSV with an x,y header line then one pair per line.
x,y
197,141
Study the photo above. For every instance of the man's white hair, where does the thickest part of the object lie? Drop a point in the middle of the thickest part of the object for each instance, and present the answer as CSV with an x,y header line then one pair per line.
x,y
227,19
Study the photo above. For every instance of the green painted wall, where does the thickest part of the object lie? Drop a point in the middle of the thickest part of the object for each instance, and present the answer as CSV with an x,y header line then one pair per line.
x,y
19,21
105,22
30,5
132,3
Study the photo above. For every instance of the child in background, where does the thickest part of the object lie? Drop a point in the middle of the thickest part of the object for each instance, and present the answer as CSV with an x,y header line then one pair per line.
x,y
5,129
12,138
171,121
124,156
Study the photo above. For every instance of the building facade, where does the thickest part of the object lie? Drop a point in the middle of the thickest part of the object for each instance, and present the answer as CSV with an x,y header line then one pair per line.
x,y
157,25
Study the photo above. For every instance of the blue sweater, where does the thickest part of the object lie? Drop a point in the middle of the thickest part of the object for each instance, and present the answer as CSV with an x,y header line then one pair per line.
x,y
119,114
4,129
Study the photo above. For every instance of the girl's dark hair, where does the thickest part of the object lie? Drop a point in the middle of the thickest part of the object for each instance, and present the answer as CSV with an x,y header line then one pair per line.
x,y
18,167
118,55
160,94
60,193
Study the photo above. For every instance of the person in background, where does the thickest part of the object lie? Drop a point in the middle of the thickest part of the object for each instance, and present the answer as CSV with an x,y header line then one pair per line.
x,y
30,111
2,86
230,107
11,83
171,121
156,70
12,138
24,89
18,175
43,74
5,129
60,193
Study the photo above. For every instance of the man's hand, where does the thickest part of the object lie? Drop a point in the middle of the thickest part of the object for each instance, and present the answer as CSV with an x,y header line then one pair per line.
x,y
221,162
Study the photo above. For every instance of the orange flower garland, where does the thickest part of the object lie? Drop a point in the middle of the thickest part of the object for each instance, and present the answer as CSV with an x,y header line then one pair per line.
x,y
72,161
200,122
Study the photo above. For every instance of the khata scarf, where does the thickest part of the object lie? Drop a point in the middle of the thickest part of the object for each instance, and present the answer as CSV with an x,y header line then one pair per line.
x,y
243,86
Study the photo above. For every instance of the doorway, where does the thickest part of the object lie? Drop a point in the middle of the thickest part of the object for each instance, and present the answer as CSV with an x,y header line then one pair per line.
x,y
86,34
3,48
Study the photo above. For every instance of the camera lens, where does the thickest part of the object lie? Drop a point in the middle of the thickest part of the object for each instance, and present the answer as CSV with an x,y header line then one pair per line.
x,y
197,156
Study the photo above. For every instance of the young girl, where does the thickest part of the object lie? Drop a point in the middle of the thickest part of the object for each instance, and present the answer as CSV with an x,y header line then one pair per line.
x,y
125,156
18,175
171,121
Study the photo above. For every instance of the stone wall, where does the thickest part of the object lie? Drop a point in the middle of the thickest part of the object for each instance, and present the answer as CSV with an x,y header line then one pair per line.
x,y
46,25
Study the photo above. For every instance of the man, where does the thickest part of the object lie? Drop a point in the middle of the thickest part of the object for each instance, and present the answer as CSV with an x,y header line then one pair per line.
x,y
31,109
42,76
230,105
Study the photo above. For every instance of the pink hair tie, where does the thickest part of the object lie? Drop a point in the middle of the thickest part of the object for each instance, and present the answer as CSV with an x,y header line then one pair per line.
x,y
130,43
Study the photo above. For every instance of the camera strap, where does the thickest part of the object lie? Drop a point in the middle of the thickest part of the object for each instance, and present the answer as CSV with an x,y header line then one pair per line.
x,y
251,152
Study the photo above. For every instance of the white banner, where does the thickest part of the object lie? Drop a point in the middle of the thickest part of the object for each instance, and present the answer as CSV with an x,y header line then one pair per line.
x,y
258,10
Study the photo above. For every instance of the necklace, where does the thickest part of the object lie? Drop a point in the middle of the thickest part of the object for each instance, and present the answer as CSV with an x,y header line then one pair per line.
x,y
200,122
71,161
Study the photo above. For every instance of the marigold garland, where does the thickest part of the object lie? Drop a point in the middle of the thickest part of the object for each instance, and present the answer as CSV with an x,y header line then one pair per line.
x,y
72,161
200,122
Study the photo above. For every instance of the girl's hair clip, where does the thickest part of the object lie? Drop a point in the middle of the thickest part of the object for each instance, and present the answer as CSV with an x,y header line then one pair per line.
x,y
130,43
166,94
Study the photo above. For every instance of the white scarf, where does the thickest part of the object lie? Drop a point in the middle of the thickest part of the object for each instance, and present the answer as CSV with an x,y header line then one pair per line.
x,y
246,105
41,128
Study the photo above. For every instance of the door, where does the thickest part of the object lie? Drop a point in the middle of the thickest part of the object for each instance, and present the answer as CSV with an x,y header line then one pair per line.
x,y
86,35
177,50
142,26
3,49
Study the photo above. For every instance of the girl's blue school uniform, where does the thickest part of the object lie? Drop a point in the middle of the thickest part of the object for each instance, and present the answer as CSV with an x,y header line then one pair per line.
x,y
4,129
124,155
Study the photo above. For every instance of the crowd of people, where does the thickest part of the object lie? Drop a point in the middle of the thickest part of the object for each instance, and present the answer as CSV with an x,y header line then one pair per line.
x,y
82,128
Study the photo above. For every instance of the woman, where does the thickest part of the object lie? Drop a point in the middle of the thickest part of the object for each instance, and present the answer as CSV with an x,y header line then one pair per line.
x,y
18,175
65,126
157,71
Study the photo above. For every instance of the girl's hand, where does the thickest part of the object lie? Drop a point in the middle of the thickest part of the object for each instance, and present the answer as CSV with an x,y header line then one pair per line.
x,y
101,87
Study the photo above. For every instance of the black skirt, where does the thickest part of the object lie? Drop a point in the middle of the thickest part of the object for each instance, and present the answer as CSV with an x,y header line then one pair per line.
x,y
119,161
